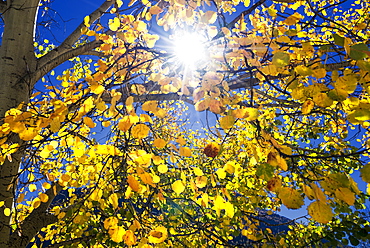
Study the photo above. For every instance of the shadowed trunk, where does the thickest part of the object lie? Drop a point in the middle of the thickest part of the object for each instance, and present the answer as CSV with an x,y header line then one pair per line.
x,y
16,61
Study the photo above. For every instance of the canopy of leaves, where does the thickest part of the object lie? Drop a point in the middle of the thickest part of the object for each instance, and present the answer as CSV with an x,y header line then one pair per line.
x,y
285,94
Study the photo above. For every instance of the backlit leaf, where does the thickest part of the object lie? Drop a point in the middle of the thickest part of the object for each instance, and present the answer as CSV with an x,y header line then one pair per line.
x,y
114,24
178,187
7,211
346,195
227,122
291,198
320,212
159,143
307,106
281,59
133,183
185,151
140,131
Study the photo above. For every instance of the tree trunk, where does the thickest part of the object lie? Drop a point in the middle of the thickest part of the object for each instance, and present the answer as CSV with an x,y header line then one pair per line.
x,y
17,60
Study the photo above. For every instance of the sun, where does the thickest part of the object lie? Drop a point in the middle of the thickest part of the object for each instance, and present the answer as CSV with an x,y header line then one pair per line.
x,y
189,48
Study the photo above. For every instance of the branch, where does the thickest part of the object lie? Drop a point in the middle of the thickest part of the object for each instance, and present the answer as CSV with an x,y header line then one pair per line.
x,y
38,219
61,58
68,43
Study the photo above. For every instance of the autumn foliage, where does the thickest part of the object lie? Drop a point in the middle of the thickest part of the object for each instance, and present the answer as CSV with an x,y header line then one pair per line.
x,y
283,95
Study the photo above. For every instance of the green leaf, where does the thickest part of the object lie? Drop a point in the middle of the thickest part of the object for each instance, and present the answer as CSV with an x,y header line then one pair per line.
x,y
281,59
265,171
357,52
338,40
354,241
365,173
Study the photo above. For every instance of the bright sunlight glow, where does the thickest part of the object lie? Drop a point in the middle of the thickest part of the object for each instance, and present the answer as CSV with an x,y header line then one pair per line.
x,y
189,48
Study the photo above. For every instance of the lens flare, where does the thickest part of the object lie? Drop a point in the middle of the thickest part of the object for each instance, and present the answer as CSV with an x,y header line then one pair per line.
x,y
189,48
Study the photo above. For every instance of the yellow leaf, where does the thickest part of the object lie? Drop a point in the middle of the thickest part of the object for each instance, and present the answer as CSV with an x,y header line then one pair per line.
x,y
119,3
221,173
365,173
158,235
303,70
133,183
162,168
246,3
250,114
210,17
202,105
198,171
147,178
185,151
114,24
88,122
229,167
36,202
146,2
87,21
155,10
320,212
140,131
346,195
44,197
290,197
125,123
97,89
138,89
293,19
227,122
201,181
110,222
322,100
28,134
129,238
181,140
32,187
178,187
319,73
7,211
226,31
65,178
116,234
307,106
318,193
282,163
113,199
229,209
159,143
150,106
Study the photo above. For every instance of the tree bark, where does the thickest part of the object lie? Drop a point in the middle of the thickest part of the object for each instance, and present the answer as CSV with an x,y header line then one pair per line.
x,y
16,60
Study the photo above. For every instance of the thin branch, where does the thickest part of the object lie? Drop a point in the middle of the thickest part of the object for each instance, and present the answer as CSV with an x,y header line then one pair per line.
x,y
72,241
68,43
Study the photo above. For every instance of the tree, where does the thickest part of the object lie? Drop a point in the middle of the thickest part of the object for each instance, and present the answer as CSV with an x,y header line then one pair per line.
x,y
285,91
